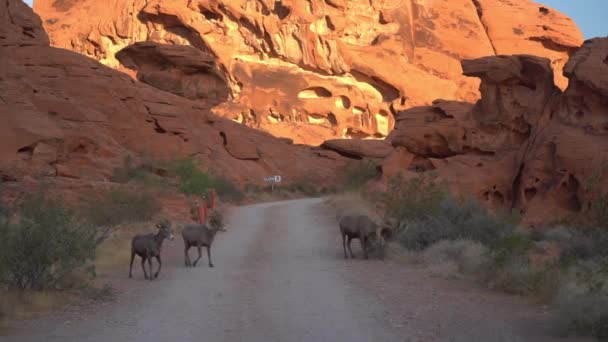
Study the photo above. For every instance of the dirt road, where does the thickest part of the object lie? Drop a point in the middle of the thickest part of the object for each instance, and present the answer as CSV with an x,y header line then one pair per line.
x,y
280,276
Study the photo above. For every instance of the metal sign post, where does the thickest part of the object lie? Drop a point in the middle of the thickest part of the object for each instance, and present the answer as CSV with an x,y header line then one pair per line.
x,y
272,180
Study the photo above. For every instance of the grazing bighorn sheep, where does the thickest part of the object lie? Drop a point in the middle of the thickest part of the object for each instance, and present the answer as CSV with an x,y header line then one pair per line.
x,y
363,228
149,246
199,235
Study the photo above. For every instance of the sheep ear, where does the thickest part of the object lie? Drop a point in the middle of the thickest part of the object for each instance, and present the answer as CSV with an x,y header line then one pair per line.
x,y
159,226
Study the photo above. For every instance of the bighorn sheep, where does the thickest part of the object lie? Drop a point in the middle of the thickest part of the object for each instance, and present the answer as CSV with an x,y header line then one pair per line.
x,y
149,246
199,235
363,228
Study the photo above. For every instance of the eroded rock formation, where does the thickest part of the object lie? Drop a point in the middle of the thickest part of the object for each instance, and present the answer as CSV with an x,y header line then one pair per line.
x,y
69,121
524,144
313,70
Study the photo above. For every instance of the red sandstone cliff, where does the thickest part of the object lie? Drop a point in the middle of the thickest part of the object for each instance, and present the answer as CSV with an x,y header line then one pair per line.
x,y
68,120
312,70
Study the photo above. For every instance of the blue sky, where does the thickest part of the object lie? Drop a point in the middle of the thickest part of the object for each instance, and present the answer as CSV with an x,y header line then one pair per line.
x,y
589,15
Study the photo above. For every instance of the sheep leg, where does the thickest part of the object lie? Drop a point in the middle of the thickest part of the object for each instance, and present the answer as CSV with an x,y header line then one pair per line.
x,y
150,266
349,249
200,255
143,266
131,265
187,256
160,264
209,256
364,246
344,245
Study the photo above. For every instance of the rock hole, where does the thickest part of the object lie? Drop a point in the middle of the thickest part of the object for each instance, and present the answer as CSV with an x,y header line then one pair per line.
x,y
378,39
543,10
479,165
358,110
530,193
545,28
383,112
382,20
343,102
486,196
309,6
329,23
209,15
27,151
80,148
317,119
332,119
352,133
420,164
158,128
518,31
281,11
606,60
379,135
53,113
579,114
497,197
314,93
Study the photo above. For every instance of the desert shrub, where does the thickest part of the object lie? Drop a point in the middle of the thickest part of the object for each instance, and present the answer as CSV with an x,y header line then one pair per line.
x,y
304,187
582,299
509,268
121,206
44,246
191,181
509,248
412,199
454,219
585,244
358,172
466,256
227,190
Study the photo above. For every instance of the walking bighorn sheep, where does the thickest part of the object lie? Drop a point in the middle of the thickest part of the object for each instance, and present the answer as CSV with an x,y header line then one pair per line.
x,y
199,235
363,228
149,246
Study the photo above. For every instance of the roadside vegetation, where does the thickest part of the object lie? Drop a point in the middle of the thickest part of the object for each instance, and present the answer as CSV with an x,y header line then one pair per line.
x,y
49,251
564,266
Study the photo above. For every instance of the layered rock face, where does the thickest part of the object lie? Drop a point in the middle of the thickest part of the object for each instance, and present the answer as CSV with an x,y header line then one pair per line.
x,y
310,70
523,145
68,120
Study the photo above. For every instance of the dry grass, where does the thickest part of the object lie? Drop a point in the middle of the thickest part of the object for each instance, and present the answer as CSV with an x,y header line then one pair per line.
x,y
115,251
18,305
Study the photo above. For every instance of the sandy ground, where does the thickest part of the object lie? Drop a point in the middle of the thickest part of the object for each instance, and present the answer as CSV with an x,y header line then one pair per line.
x,y
280,276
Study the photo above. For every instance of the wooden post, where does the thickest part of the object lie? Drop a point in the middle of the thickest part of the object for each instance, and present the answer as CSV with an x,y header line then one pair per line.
x,y
198,210
205,208
212,199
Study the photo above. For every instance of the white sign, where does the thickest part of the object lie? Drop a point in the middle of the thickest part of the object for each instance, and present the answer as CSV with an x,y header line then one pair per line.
x,y
272,179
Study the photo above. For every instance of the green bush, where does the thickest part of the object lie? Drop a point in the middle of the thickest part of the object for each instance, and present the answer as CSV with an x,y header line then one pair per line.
x,y
45,246
467,256
226,190
414,199
358,173
582,299
192,181
121,206
451,219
